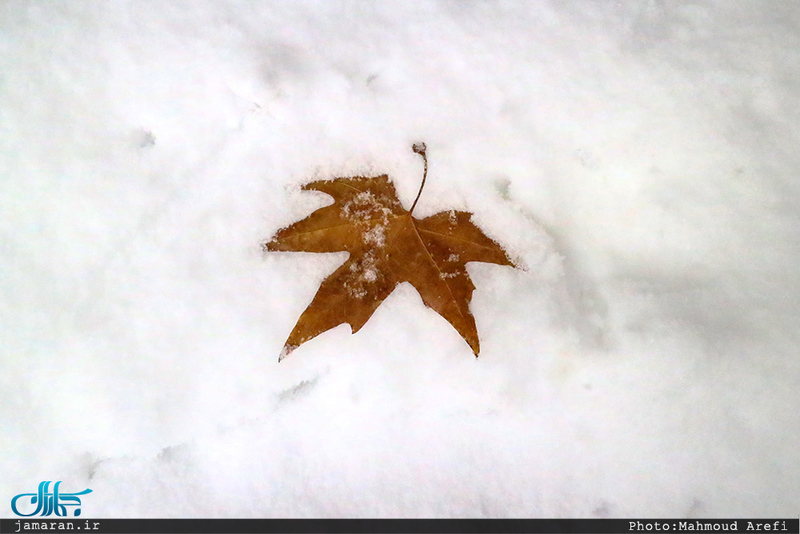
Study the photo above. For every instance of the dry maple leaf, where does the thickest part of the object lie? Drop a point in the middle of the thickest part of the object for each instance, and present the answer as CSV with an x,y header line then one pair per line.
x,y
387,246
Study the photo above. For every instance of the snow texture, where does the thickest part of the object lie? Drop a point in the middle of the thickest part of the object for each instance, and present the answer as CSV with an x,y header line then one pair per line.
x,y
638,157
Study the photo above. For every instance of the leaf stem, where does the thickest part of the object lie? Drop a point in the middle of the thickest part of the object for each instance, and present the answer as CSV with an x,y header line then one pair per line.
x,y
419,148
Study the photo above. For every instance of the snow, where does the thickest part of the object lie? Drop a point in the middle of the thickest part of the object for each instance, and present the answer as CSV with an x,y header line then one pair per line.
x,y
639,159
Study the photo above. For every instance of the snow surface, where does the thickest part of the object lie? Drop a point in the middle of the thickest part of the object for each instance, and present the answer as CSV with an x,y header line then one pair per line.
x,y
639,157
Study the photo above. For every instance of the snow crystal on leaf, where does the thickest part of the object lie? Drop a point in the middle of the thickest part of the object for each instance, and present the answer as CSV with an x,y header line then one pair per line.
x,y
452,219
370,275
376,236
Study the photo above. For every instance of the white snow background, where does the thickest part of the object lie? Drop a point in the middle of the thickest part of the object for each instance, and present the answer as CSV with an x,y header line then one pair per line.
x,y
639,157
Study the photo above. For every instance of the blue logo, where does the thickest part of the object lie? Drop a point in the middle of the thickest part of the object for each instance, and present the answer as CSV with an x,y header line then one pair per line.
x,y
51,503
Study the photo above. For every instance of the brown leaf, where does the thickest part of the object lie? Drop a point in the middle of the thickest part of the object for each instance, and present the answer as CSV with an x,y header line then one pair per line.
x,y
387,246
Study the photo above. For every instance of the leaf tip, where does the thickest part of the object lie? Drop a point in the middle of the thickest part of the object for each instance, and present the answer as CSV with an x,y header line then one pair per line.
x,y
272,245
287,349
517,263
